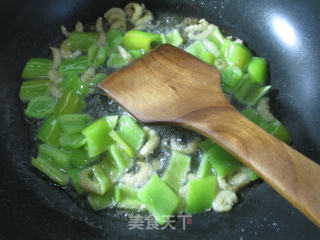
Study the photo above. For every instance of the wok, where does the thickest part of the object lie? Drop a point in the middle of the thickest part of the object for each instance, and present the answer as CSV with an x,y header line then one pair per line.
x,y
285,33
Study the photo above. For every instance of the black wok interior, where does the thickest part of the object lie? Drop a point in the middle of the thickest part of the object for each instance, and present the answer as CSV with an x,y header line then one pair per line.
x,y
31,209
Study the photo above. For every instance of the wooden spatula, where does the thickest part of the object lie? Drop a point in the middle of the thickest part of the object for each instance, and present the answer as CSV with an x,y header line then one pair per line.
x,y
171,86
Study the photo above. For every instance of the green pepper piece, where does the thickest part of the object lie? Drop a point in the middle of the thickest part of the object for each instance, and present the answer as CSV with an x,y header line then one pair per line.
x,y
231,77
116,61
122,160
252,174
112,121
141,40
36,68
96,79
74,174
135,53
127,197
69,103
208,57
99,202
33,88
74,83
75,140
222,161
78,65
196,49
97,137
114,39
277,129
122,144
80,41
59,157
216,37
94,180
250,92
131,132
102,54
74,123
111,168
92,53
80,158
201,193
174,38
158,198
235,54
50,131
257,70
176,173
39,107
205,167
206,144
51,171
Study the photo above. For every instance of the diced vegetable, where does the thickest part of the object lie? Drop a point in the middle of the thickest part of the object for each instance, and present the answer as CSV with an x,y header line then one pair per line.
x,y
111,168
158,198
196,49
75,140
122,144
74,123
100,202
50,131
223,162
80,41
216,37
74,174
135,53
127,197
59,157
96,79
92,53
174,38
231,77
114,38
36,68
250,92
235,54
94,180
201,193
102,54
206,144
205,167
97,137
80,158
112,121
252,174
69,103
116,61
122,160
51,171
176,173
141,40
77,65
257,70
74,83
33,88
275,127
208,57
131,132
39,107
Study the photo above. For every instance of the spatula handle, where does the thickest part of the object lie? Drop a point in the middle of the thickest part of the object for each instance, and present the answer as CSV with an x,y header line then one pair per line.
x,y
293,175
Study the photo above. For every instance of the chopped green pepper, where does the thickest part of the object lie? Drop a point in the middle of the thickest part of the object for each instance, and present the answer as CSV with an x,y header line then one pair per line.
x,y
80,41
77,65
257,70
174,38
36,68
69,103
51,171
74,123
39,107
176,173
127,197
49,132
33,88
141,40
60,157
201,193
196,49
158,198
97,137
74,83
100,202
75,140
